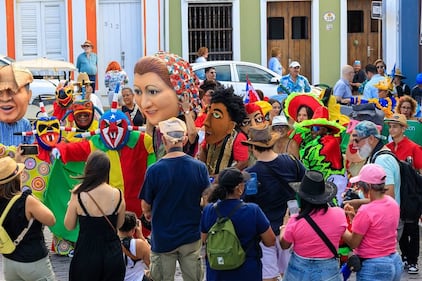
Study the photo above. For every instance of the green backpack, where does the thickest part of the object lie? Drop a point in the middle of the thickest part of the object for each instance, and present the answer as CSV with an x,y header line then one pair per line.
x,y
223,247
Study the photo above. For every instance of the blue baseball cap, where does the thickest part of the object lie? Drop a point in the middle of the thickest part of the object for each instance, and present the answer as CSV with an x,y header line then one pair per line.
x,y
366,128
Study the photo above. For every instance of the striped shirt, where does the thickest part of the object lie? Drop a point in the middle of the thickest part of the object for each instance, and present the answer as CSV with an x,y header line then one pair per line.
x,y
7,130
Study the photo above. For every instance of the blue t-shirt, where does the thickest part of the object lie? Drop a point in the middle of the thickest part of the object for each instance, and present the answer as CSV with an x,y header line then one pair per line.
x,y
249,222
6,133
88,65
173,187
342,89
272,196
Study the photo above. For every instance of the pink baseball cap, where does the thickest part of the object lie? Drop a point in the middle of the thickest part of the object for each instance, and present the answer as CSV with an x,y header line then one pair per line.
x,y
370,173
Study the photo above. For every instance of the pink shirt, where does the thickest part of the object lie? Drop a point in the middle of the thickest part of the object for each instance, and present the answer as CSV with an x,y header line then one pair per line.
x,y
306,242
377,222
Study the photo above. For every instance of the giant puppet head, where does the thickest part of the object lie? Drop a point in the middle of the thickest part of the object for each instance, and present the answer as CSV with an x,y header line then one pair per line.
x,y
47,130
48,133
64,94
226,112
114,129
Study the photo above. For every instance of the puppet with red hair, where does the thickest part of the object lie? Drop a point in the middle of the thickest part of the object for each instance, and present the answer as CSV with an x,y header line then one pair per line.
x,y
114,76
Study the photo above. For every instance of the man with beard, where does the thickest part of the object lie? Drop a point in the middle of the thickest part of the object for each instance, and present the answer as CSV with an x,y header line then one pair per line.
x,y
368,141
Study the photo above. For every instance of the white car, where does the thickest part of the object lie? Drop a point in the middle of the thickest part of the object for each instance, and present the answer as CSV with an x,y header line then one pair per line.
x,y
233,73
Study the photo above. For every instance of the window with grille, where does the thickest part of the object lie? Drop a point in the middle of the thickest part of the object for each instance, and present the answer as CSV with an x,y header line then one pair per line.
x,y
299,27
354,21
210,25
275,28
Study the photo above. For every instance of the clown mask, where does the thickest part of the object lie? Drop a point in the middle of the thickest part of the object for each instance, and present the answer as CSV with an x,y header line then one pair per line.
x,y
48,132
64,95
114,130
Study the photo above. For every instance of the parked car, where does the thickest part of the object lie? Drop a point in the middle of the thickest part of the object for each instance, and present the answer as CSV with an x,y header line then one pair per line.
x,y
234,73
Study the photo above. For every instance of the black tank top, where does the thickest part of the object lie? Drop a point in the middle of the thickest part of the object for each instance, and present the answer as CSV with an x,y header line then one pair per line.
x,y
32,247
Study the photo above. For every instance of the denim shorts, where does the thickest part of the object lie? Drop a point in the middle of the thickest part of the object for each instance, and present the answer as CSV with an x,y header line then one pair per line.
x,y
388,268
306,269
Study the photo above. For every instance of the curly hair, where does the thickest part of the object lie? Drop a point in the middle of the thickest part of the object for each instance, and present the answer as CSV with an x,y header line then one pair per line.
x,y
408,99
113,65
233,103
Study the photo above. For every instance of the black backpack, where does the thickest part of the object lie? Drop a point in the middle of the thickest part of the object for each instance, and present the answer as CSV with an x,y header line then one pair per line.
x,y
410,188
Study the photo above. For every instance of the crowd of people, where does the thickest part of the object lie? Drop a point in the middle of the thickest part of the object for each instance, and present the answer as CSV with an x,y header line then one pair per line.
x,y
149,177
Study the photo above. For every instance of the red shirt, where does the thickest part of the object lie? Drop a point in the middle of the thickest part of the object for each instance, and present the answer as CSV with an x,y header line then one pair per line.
x,y
406,148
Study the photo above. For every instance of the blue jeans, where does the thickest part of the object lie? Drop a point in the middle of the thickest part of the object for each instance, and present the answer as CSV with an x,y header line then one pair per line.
x,y
304,269
388,268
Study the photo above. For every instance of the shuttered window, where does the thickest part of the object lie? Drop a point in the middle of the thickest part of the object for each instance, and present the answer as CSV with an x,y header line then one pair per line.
x,y
210,25
41,30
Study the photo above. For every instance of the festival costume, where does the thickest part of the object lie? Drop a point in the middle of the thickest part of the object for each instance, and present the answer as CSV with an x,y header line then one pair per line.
x,y
129,152
323,153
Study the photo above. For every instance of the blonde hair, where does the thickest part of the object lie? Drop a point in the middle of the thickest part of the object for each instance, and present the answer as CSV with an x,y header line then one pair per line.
x,y
275,51
202,51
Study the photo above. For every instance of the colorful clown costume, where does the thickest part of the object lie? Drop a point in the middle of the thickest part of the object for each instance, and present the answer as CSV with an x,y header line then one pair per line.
x,y
130,153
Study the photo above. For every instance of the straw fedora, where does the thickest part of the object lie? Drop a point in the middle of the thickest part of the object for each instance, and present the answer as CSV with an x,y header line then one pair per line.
x,y
313,189
83,78
9,169
87,42
261,136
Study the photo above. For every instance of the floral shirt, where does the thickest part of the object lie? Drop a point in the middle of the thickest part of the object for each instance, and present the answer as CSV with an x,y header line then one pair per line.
x,y
113,77
287,85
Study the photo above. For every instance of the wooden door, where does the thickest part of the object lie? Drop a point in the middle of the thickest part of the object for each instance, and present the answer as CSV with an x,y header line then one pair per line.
x,y
289,27
364,35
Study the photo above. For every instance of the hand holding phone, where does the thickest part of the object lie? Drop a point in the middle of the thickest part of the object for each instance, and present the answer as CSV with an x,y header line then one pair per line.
x,y
29,149
293,207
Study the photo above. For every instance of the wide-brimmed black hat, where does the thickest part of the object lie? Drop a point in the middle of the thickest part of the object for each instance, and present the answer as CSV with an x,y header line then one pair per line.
x,y
314,189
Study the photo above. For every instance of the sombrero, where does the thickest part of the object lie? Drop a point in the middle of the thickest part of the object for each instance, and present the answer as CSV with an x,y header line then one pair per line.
x,y
295,100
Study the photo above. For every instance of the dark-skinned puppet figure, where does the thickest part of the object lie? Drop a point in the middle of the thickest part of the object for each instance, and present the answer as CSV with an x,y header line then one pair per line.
x,y
222,147
320,148
130,152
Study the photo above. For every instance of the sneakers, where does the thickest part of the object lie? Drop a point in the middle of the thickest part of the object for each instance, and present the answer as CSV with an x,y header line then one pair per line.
x,y
413,269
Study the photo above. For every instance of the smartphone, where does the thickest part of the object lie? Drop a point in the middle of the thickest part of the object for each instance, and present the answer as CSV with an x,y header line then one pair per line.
x,y
29,149
293,207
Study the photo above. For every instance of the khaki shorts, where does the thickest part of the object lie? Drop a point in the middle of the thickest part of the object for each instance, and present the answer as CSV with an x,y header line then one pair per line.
x,y
163,265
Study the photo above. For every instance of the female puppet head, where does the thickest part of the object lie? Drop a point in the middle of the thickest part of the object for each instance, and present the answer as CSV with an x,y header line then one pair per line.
x,y
160,82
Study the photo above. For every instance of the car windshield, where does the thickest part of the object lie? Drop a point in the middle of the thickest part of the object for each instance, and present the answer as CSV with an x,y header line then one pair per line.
x,y
254,74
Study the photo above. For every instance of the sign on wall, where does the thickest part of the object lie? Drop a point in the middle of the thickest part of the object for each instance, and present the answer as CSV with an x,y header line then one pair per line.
x,y
376,10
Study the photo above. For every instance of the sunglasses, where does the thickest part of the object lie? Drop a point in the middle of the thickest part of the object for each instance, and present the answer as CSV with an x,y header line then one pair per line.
x,y
357,141
380,67
86,46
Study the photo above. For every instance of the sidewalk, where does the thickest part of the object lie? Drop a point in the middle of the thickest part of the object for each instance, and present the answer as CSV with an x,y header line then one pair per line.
x,y
61,265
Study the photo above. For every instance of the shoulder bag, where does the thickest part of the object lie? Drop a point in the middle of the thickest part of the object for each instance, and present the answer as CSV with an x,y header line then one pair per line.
x,y
125,251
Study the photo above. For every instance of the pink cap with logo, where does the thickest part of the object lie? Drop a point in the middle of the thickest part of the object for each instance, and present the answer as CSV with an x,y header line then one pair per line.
x,y
370,173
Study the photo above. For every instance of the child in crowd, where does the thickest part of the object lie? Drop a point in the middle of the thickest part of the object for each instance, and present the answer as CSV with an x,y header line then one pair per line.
x,y
136,250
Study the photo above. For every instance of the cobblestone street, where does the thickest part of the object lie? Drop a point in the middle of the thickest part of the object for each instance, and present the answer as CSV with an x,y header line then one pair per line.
x,y
61,265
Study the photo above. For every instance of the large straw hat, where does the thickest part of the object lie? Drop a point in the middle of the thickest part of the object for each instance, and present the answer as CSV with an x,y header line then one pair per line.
x,y
9,169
